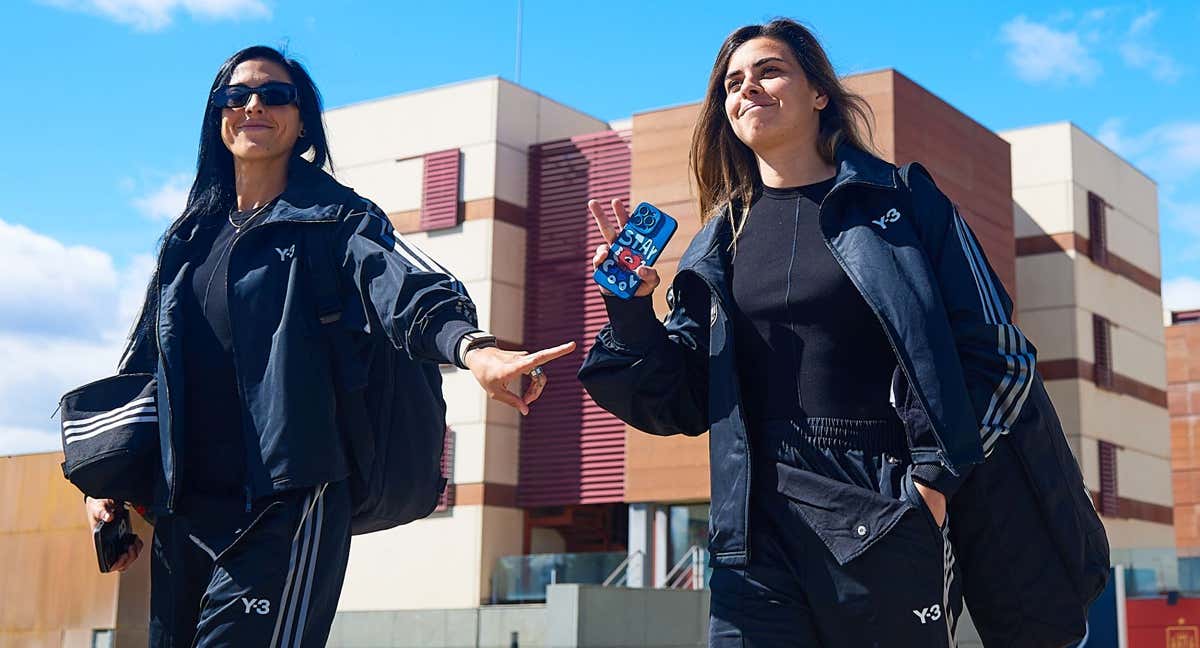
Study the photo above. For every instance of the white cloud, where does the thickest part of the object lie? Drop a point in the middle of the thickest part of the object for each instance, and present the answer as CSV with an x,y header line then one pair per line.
x,y
166,202
1067,48
64,314
1112,137
1041,53
16,440
154,15
1169,152
1181,293
1144,22
1140,53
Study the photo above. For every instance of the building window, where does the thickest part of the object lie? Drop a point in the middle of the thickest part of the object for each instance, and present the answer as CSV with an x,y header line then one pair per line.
x,y
1102,342
1108,479
1097,230
1185,317
447,498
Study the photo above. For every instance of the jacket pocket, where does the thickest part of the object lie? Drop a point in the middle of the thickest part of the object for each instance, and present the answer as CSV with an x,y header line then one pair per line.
x,y
914,497
848,519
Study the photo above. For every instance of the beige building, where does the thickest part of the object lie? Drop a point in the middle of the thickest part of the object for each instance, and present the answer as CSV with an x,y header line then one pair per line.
x,y
381,148
1088,277
52,594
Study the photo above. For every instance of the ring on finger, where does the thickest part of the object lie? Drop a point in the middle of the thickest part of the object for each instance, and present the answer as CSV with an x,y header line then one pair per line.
x,y
537,373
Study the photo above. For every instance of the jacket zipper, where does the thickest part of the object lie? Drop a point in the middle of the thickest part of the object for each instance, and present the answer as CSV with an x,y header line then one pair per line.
x,y
172,487
249,488
887,331
712,289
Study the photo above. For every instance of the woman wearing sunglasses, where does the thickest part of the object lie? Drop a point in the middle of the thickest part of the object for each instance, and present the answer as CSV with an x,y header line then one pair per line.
x,y
834,327
252,512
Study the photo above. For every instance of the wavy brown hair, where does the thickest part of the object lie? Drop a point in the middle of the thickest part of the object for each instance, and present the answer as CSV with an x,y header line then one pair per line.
x,y
724,168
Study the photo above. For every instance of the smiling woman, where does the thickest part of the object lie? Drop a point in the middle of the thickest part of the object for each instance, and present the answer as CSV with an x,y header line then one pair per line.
x,y
274,291
833,327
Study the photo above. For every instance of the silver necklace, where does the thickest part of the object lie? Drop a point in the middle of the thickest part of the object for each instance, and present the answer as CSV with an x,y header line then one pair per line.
x,y
252,216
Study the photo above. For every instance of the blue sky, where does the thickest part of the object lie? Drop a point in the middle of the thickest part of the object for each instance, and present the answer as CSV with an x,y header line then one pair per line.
x,y
105,99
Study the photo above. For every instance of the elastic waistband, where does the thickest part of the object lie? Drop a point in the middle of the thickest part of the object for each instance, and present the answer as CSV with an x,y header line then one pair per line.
x,y
870,436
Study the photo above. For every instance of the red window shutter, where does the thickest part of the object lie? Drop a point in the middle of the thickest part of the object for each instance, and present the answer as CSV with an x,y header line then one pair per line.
x,y
447,498
1108,479
1102,345
572,452
439,190
1097,230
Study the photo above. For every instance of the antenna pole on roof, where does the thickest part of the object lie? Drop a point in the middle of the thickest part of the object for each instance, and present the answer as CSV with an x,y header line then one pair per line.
x,y
517,74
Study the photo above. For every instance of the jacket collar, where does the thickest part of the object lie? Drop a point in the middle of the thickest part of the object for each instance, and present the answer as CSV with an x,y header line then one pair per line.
x,y
857,166
312,195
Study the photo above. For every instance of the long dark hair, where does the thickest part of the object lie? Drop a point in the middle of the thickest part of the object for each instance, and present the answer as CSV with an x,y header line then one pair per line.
x,y
724,168
213,189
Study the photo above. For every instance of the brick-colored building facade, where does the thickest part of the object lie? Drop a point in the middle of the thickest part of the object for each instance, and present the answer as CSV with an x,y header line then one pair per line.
x,y
1183,399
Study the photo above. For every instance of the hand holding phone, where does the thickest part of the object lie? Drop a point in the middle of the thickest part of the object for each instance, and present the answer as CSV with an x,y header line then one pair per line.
x,y
623,265
116,544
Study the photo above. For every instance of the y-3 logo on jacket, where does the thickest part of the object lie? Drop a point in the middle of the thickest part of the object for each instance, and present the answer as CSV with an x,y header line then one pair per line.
x,y
286,253
931,613
256,605
891,216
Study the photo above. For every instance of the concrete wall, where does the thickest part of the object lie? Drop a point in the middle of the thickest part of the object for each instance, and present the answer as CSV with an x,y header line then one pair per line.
x,y
574,616
489,627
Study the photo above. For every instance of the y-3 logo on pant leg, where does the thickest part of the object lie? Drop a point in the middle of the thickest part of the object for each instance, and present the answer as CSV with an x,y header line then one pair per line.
x,y
891,216
931,613
287,252
256,605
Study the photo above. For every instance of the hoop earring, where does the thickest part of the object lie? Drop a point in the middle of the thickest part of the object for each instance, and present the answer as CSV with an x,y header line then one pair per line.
x,y
303,134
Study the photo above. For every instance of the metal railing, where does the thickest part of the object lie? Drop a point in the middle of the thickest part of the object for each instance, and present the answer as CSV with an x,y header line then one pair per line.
x,y
620,575
688,573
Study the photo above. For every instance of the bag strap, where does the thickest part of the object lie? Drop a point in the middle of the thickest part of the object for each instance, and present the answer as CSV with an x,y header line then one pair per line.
x,y
906,172
348,367
325,282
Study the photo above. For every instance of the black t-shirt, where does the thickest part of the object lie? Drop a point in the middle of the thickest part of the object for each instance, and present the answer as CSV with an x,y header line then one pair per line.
x,y
214,453
808,345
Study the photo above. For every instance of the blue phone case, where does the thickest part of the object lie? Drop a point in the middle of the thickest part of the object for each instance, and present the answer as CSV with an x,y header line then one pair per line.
x,y
642,240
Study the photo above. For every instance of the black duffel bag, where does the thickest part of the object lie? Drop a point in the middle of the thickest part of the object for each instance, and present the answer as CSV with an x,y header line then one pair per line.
x,y
1032,549
110,437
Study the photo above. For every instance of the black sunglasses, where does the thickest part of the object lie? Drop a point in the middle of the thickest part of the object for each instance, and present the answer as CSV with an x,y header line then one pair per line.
x,y
271,93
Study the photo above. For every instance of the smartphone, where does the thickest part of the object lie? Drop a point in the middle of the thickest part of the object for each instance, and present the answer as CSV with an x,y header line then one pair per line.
x,y
112,538
641,241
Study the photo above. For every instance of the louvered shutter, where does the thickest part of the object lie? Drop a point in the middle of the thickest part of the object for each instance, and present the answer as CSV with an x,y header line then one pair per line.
x,y
439,190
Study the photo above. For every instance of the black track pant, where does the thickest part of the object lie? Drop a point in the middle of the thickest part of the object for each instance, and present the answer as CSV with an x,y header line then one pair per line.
x,y
843,551
270,577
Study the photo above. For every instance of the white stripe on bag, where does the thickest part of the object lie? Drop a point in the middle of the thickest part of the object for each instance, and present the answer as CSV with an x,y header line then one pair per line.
x,y
109,414
141,411
115,424
1009,396
283,602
